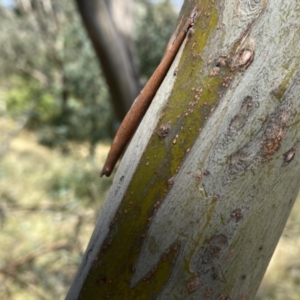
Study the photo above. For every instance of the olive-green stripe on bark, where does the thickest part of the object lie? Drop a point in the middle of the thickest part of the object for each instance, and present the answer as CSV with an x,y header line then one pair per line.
x,y
191,101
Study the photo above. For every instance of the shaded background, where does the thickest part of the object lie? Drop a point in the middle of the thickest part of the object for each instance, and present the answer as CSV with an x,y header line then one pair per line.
x,y
56,124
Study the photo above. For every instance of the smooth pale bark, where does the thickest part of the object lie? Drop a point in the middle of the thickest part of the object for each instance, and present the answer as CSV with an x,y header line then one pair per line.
x,y
197,213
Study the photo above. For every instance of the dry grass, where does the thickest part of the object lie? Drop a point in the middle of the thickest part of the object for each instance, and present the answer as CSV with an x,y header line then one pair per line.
x,y
48,209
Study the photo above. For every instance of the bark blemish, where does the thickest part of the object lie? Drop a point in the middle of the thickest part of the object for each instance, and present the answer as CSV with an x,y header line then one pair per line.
x,y
102,280
243,59
289,156
243,277
176,71
274,134
263,146
163,131
214,248
193,284
208,293
175,139
170,181
239,121
226,81
241,160
236,214
198,176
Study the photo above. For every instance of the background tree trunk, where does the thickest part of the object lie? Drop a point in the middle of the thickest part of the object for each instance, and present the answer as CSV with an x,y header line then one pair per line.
x,y
197,214
110,25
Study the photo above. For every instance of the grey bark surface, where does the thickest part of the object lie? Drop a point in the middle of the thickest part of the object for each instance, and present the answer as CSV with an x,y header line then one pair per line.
x,y
230,199
114,47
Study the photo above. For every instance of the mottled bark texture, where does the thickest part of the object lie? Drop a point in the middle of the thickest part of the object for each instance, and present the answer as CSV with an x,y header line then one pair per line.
x,y
196,212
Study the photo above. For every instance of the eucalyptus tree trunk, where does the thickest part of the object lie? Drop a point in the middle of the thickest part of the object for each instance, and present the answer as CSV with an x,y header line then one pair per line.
x,y
206,185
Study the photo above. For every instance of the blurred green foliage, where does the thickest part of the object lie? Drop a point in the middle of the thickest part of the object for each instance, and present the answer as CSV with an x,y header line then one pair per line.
x,y
48,209
51,73
19,99
154,29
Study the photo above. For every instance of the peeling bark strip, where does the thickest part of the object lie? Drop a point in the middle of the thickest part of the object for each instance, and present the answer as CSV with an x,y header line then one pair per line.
x,y
199,214
142,102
